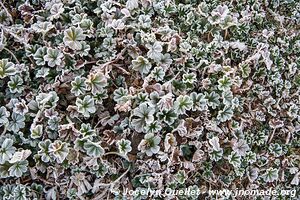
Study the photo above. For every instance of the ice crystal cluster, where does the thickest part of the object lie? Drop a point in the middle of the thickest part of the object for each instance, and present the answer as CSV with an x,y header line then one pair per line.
x,y
99,96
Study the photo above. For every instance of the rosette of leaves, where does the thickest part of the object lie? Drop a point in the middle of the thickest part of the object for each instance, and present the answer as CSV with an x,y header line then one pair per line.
x,y
101,170
167,116
59,150
141,65
93,149
120,95
18,168
47,100
73,37
234,159
241,147
96,82
53,57
270,175
158,73
153,127
276,149
212,99
124,146
78,86
86,106
199,101
20,192
154,51
189,78
150,144
86,130
42,27
182,104
227,97
144,114
15,84
250,157
7,191
7,68
224,83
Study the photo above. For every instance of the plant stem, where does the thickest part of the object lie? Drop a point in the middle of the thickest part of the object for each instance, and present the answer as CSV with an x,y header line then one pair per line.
x,y
12,54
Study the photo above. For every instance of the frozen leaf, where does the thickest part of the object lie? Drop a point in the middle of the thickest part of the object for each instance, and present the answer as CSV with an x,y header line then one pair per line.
x,y
225,114
150,144
271,175
59,150
16,122
15,84
86,106
78,86
96,82
39,55
234,159
182,104
124,146
53,57
44,151
18,168
6,68
93,149
141,64
154,51
241,147
144,114
36,131
7,150
4,114
73,37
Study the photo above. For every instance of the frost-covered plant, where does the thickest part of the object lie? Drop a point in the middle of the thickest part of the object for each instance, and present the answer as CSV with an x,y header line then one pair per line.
x,y
124,146
150,144
215,151
99,96
7,150
141,65
144,114
86,106
6,68
73,37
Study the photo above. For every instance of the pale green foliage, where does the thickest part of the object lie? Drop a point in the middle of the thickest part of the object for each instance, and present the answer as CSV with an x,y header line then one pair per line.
x,y
93,149
97,97
78,86
73,37
6,68
86,105
124,146
7,150
141,65
59,150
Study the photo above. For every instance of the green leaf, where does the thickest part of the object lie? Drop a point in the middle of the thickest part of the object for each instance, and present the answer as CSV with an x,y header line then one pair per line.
x,y
93,149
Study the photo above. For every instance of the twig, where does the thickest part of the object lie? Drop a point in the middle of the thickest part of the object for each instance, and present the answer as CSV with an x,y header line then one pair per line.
x,y
2,5
118,154
12,54
271,136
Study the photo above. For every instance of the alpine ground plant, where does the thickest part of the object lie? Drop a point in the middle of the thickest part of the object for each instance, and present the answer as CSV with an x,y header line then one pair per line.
x,y
109,99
